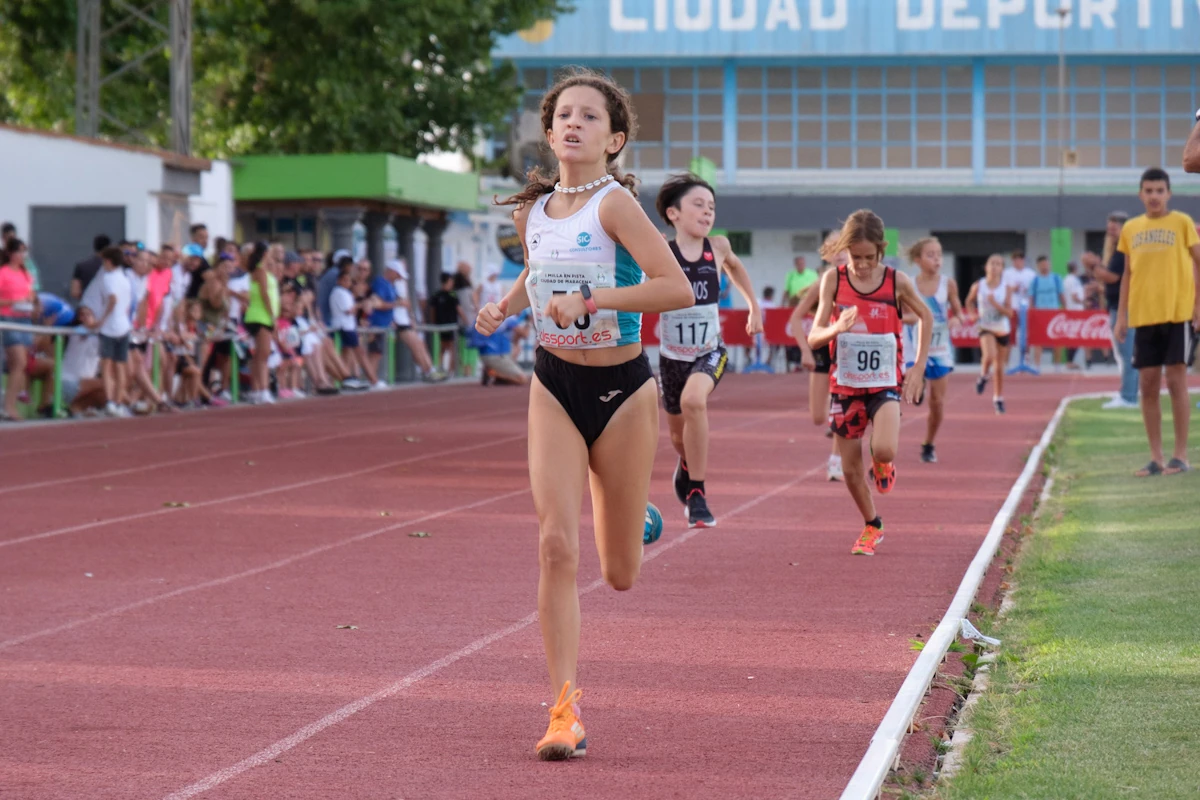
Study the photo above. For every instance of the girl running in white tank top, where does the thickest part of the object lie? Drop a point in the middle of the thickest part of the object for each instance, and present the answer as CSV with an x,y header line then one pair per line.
x,y
593,403
992,298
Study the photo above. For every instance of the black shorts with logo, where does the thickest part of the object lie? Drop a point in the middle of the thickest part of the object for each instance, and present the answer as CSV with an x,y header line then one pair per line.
x,y
1164,345
590,395
823,358
675,375
850,413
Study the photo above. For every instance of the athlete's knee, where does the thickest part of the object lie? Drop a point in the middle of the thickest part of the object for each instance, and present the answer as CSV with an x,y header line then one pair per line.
x,y
883,453
620,574
693,404
558,548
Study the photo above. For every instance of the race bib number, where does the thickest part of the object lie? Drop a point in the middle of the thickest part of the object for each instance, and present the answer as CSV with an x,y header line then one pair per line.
x,y
549,278
939,345
689,333
866,360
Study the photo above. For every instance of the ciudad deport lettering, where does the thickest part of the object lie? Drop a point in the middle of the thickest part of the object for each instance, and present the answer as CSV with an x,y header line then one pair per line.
x,y
732,16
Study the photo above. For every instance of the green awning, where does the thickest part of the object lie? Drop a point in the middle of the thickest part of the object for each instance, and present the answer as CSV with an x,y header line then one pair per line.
x,y
370,176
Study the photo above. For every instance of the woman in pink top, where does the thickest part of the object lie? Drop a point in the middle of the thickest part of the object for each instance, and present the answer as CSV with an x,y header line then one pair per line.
x,y
18,303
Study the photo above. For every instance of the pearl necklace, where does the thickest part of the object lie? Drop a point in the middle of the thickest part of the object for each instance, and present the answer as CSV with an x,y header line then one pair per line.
x,y
558,187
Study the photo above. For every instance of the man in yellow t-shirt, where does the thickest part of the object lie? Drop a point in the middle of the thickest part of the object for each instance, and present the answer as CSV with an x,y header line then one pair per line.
x,y
1158,300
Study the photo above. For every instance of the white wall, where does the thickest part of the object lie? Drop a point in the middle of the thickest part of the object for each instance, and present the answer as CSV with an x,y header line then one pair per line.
x,y
214,205
43,170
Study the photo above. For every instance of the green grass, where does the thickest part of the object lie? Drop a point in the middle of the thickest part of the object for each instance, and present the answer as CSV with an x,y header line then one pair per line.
x,y
1096,693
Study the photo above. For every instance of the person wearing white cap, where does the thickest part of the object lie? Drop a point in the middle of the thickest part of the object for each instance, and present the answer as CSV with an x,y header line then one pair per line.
x,y
490,290
391,293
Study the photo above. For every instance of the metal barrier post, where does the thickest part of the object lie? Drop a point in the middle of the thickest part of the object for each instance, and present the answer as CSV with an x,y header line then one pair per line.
x,y
155,367
436,351
391,357
58,360
235,373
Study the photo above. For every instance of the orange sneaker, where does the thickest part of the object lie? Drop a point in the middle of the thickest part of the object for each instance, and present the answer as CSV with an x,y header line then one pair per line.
x,y
871,536
884,475
565,737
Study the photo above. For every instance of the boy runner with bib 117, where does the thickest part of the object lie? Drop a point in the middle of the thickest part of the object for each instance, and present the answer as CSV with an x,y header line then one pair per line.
x,y
691,357
940,293
593,401
859,316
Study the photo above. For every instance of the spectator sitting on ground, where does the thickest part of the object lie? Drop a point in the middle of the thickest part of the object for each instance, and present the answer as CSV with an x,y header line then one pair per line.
x,y
82,392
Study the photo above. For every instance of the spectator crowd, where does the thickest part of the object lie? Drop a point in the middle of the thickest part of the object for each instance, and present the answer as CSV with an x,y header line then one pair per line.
x,y
196,326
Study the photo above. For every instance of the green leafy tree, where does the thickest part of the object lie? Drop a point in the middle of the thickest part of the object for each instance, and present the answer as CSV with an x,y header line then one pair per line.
x,y
286,76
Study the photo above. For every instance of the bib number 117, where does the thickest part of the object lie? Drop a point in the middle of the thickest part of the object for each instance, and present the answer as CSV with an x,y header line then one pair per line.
x,y
583,323
680,327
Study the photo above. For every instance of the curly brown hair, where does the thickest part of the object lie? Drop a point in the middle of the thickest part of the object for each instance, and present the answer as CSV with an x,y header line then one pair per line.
x,y
621,119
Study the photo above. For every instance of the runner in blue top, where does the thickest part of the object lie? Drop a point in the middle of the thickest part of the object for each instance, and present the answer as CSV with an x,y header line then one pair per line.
x,y
940,293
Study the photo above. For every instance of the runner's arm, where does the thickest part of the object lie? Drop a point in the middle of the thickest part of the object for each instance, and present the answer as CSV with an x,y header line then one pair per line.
x,y
973,299
822,332
808,303
666,287
739,276
1191,151
956,307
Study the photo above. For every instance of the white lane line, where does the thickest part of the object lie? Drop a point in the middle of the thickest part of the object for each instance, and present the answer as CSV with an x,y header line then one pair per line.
x,y
261,492
407,424
112,612
345,712
283,562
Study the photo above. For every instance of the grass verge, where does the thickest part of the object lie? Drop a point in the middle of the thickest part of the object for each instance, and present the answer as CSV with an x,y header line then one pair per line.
x,y
1096,693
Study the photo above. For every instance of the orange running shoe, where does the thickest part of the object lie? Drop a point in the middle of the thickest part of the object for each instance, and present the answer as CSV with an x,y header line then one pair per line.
x,y
871,536
884,475
565,737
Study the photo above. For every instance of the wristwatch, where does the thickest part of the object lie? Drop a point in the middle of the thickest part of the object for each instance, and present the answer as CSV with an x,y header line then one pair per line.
x,y
586,291
1198,115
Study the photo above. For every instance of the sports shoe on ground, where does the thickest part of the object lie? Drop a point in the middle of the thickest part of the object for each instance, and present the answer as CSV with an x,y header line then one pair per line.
x,y
654,524
884,475
998,404
564,738
1118,402
928,454
867,541
379,386
981,384
698,514
682,481
833,468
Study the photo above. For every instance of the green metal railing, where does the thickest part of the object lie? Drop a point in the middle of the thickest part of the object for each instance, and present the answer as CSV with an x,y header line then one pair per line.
x,y
467,357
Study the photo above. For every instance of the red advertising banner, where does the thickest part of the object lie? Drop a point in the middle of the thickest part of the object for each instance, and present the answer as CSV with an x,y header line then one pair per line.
x,y
1088,329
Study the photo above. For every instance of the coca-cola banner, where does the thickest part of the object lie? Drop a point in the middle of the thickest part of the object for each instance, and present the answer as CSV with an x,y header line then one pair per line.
x,y
1088,329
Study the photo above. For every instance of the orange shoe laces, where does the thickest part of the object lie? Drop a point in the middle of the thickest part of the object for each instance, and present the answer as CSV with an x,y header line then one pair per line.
x,y
562,712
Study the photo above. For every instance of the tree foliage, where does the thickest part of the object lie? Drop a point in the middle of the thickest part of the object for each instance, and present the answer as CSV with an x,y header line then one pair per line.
x,y
283,76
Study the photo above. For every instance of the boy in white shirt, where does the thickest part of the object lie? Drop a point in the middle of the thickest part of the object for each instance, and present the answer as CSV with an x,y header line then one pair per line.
x,y
344,319
114,326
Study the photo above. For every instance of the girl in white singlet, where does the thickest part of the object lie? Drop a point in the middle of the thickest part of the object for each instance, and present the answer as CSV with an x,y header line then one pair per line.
x,y
940,293
593,402
991,296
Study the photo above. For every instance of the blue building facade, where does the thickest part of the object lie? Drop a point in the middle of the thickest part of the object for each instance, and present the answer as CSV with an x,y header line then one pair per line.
x,y
943,115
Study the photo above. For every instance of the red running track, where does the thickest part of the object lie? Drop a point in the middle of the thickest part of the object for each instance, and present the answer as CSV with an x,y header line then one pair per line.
x,y
150,651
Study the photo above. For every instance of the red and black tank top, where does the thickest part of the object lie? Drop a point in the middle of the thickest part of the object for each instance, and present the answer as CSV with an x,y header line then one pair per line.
x,y
868,358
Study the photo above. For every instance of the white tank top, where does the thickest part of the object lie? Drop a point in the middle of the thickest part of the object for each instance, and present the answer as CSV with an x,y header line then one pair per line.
x,y
941,349
564,253
992,319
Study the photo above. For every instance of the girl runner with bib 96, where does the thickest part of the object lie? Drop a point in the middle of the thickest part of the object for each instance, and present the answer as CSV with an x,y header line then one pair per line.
x,y
691,356
817,360
940,293
992,296
859,317
593,401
